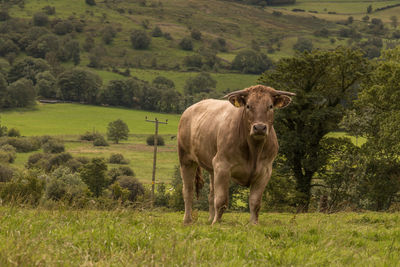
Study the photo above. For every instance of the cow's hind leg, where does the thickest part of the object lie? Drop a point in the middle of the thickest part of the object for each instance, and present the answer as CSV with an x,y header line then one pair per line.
x,y
211,199
188,172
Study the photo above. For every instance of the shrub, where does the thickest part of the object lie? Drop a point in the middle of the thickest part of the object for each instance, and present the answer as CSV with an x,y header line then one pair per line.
x,y
119,193
7,154
57,160
114,173
40,19
90,2
150,140
194,61
132,184
22,144
161,196
4,15
88,136
117,159
73,165
195,34
53,146
63,184
6,173
303,44
168,36
49,10
94,175
26,187
63,27
186,44
100,141
161,81
156,32
140,39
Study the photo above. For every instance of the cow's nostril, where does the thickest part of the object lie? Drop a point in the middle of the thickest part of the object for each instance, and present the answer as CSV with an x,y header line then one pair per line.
x,y
260,128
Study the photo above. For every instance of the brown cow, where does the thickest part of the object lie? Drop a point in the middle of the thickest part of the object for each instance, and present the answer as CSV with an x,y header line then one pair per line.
x,y
233,140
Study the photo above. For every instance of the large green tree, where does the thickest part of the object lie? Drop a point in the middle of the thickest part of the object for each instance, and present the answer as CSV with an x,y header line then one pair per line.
x,y
324,81
117,130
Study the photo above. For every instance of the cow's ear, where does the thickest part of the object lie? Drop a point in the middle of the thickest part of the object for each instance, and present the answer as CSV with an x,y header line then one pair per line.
x,y
237,100
281,101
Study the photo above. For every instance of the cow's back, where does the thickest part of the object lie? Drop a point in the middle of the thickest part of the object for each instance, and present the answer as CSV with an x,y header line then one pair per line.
x,y
199,128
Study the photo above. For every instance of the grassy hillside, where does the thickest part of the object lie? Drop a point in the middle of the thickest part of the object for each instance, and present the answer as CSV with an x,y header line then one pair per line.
x,y
124,237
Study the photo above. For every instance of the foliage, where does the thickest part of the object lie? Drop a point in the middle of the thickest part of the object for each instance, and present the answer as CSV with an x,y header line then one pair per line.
x,y
6,173
133,185
13,132
53,146
150,140
117,130
7,154
250,61
40,19
303,44
94,175
90,2
22,144
21,93
79,85
89,136
117,158
195,34
161,81
27,68
140,39
63,184
202,82
25,187
323,81
99,140
114,173
63,27
46,85
186,44
157,32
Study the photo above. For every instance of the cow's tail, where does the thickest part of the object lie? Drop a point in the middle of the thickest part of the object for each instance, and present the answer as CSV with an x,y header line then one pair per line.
x,y
199,181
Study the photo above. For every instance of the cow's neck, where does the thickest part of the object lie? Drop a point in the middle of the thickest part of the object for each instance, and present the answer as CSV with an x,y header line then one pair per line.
x,y
254,148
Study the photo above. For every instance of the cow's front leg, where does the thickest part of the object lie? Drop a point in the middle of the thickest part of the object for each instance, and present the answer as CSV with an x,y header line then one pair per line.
x,y
211,199
221,189
256,192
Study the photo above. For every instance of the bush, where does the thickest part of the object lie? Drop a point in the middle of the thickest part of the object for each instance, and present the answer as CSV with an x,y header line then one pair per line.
x,y
26,187
63,27
49,10
161,81
7,154
194,61
100,141
22,144
88,136
65,185
195,34
114,173
40,19
140,39
57,160
94,175
53,146
303,44
6,173
150,140
90,2
133,185
186,44
117,159
156,32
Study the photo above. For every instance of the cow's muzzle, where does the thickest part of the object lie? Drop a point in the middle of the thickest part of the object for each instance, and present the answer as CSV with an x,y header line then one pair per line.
x,y
259,130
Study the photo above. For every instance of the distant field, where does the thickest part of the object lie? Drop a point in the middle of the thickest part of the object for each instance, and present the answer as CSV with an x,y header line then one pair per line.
x,y
150,238
225,81
75,119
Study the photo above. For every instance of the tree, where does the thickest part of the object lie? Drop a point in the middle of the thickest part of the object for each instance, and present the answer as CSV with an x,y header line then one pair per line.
x,y
27,68
108,34
46,85
369,9
79,85
117,130
90,2
140,39
21,93
3,93
202,82
250,61
323,82
161,81
43,45
94,175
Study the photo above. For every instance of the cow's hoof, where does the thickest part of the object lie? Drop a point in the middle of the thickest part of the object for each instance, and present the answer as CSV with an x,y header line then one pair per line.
x,y
187,222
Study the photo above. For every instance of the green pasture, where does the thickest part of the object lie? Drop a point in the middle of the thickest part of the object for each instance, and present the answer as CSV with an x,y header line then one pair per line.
x,y
123,237
76,119
225,81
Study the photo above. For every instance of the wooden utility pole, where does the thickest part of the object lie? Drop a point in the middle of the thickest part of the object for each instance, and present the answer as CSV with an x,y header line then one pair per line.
x,y
153,179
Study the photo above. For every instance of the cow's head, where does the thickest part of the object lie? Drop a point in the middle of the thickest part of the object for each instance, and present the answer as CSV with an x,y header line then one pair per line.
x,y
258,104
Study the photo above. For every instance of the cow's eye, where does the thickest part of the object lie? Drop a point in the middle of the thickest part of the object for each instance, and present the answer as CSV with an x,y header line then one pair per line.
x,y
247,106
271,106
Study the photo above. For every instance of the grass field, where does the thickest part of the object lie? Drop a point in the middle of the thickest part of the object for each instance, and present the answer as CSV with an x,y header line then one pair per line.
x,y
150,238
